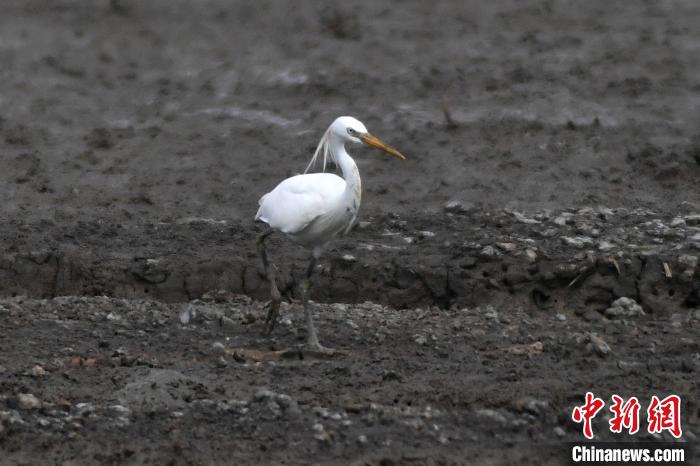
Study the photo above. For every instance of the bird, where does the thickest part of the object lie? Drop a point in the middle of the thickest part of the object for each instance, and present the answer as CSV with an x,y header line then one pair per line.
x,y
313,208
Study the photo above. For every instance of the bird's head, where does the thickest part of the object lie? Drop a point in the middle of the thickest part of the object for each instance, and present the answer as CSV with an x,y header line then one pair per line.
x,y
349,129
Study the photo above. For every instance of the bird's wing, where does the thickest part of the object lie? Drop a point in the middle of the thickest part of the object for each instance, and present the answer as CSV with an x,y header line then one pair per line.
x,y
299,200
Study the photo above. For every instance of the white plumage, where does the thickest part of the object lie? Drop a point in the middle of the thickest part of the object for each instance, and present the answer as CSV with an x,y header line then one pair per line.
x,y
308,208
313,208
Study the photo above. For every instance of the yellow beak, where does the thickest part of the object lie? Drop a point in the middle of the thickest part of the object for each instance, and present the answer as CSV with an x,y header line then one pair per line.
x,y
375,142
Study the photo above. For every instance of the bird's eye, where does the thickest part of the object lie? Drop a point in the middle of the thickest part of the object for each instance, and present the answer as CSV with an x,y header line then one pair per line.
x,y
351,131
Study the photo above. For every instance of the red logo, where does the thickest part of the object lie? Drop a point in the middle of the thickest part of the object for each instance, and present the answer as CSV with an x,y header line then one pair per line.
x,y
661,415
665,415
626,415
587,412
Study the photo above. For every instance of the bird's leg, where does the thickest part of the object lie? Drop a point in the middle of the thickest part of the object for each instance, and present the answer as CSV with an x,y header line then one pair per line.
x,y
312,339
275,298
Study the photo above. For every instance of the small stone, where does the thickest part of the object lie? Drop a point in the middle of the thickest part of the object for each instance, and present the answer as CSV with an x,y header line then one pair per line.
x,y
559,431
561,317
577,241
120,410
84,409
457,207
678,222
227,322
321,435
420,339
187,314
531,254
523,219
489,251
218,348
491,415
605,246
599,345
288,404
562,219
362,439
491,313
624,307
507,247
349,258
27,401
38,371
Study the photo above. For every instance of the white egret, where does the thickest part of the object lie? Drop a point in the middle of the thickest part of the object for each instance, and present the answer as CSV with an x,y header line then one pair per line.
x,y
313,208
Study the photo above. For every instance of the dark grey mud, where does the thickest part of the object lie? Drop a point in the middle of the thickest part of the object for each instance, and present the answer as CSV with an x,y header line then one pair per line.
x,y
553,157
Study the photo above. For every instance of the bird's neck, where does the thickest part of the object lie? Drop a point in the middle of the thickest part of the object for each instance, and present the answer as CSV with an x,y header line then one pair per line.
x,y
351,175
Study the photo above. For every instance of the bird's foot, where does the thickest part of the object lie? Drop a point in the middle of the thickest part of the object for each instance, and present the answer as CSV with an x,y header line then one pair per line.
x,y
273,310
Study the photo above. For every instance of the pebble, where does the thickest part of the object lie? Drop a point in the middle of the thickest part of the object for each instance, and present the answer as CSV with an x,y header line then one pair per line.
x,y
531,254
458,207
678,222
187,314
562,219
491,313
624,307
599,345
489,251
491,415
559,431
577,241
278,401
507,247
605,246
321,435
84,409
27,401
362,439
218,348
120,410
420,339
523,219
38,371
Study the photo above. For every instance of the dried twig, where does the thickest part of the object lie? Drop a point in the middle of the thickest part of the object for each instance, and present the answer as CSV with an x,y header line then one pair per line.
x,y
617,266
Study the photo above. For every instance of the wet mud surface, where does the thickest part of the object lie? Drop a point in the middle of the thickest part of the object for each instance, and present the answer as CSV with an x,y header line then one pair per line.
x,y
541,240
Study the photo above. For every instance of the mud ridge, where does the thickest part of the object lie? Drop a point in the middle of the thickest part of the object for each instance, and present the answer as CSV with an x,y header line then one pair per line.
x,y
569,261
